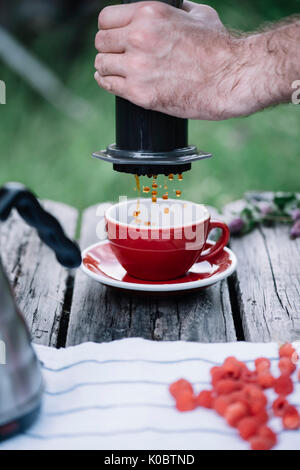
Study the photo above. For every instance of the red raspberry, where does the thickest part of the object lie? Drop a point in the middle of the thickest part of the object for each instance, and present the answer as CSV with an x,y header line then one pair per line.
x,y
235,412
221,404
257,406
279,406
256,398
205,399
249,376
226,386
241,397
185,401
260,443
232,367
262,417
265,379
287,350
248,426
238,396
262,364
180,386
283,385
291,418
217,374
286,366
267,433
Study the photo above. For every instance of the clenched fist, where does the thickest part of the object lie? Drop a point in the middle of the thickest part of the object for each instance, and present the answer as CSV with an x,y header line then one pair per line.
x,y
185,63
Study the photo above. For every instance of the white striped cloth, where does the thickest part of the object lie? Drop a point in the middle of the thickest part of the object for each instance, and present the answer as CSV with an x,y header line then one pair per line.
x,y
115,396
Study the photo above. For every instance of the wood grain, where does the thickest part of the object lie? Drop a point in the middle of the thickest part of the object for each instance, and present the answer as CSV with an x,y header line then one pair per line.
x,y
264,297
267,283
39,282
101,314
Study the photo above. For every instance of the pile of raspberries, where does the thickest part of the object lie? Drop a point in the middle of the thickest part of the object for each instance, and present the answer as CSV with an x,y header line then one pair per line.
x,y
238,395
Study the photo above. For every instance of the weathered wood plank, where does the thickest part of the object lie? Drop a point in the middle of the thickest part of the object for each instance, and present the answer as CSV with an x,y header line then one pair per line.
x,y
268,282
103,314
38,280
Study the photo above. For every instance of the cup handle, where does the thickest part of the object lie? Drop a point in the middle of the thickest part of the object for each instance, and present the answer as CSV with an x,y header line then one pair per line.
x,y
223,240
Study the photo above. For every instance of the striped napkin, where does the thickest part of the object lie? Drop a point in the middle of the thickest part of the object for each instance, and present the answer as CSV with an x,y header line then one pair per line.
x,y
115,396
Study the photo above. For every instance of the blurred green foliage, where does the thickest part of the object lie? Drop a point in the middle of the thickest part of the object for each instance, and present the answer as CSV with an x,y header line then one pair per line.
x,y
51,153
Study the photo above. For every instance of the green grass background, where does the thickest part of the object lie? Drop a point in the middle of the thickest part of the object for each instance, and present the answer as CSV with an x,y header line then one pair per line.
x,y
50,153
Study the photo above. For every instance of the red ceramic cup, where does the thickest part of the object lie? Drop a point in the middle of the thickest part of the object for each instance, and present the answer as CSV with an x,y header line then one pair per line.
x,y
168,247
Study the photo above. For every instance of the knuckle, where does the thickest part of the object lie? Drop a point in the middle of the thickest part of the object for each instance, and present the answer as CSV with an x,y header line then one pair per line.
x,y
143,38
136,38
153,9
209,11
151,34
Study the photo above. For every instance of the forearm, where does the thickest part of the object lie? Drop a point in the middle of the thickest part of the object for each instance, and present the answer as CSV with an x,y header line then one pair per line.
x,y
267,65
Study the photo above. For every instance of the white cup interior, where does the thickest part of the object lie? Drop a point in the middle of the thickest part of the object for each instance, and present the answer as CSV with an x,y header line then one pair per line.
x,y
162,214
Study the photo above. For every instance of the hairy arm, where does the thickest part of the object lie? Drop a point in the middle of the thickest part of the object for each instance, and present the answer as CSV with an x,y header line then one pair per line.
x,y
187,64
268,65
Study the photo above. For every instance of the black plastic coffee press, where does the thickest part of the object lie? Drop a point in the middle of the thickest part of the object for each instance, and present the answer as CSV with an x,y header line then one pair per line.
x,y
149,142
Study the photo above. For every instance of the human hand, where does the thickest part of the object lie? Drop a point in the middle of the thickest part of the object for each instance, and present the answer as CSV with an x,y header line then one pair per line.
x,y
185,63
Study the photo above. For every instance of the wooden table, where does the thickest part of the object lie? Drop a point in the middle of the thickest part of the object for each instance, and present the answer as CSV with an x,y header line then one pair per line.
x,y
259,303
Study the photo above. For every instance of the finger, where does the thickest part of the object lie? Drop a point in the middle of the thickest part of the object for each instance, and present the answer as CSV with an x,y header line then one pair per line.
x,y
117,16
115,85
113,40
111,64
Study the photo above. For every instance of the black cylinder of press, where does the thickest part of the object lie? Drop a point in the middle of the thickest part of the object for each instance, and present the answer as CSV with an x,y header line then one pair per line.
x,y
139,129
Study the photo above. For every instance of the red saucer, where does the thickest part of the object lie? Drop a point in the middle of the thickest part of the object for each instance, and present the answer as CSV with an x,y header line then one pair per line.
x,y
100,263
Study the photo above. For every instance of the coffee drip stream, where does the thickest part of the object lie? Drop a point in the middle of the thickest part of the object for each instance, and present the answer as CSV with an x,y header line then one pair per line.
x,y
149,142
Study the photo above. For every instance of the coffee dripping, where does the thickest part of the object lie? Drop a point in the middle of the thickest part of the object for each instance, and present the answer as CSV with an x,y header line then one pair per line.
x,y
158,190
149,142
159,193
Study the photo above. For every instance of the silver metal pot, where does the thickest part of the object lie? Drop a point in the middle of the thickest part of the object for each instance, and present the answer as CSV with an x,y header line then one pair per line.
x,y
21,382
